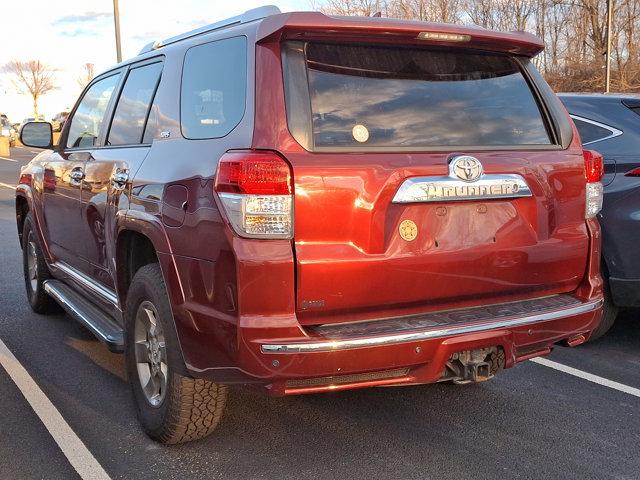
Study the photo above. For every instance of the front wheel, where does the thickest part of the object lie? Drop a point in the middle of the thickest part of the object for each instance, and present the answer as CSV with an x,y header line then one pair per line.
x,y
35,270
172,407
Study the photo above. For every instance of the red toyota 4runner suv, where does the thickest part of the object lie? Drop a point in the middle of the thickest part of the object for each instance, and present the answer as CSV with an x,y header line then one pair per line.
x,y
307,203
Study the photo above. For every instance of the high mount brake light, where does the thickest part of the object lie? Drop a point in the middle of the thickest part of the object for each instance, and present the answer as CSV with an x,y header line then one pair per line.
x,y
444,37
255,188
594,171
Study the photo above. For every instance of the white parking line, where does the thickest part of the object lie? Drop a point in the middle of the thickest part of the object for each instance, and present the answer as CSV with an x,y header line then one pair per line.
x,y
588,376
6,185
8,159
76,452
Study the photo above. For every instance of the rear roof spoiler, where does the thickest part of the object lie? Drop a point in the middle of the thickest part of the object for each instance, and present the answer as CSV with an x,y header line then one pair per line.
x,y
306,25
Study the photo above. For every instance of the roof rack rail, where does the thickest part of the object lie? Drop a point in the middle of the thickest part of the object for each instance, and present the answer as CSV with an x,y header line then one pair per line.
x,y
248,16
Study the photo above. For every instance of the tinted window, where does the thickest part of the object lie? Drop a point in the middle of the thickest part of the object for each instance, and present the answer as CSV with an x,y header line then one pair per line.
x,y
373,96
590,132
214,80
153,122
133,105
88,118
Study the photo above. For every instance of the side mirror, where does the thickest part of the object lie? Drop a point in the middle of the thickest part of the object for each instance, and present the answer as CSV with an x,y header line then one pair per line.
x,y
37,134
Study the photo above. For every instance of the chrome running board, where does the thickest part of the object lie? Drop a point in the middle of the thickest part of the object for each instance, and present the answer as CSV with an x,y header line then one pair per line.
x,y
98,322
84,280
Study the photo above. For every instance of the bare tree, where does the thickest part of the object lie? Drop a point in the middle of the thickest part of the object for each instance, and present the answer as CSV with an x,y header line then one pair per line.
x,y
88,72
481,12
32,77
361,8
427,10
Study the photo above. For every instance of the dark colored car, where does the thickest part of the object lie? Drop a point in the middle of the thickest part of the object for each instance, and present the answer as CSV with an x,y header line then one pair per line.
x,y
611,125
305,203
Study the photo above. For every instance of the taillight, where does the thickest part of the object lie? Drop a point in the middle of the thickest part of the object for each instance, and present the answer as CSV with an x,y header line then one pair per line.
x,y
594,165
255,189
25,179
594,170
633,173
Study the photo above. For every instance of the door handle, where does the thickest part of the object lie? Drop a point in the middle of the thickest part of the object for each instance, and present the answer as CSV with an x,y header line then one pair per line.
x,y
76,174
119,179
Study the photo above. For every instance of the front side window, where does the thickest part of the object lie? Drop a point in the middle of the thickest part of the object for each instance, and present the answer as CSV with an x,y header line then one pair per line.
x,y
132,109
214,84
407,97
87,120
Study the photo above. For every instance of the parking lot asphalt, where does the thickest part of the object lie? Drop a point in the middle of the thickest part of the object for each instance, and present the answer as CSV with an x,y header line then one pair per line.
x,y
529,422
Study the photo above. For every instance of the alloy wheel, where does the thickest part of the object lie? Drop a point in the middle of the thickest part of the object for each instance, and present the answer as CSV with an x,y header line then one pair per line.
x,y
32,262
151,353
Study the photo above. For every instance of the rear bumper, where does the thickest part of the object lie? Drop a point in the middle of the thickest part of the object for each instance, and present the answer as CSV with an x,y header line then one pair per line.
x,y
332,360
565,306
261,342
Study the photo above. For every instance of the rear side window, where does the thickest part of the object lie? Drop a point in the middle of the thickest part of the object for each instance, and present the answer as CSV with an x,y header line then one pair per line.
x,y
214,84
398,97
591,132
132,109
88,117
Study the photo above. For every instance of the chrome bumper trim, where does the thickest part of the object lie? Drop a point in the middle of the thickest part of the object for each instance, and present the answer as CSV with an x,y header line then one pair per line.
x,y
334,345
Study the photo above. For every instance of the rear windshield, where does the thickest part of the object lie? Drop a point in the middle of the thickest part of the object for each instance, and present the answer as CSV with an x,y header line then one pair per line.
x,y
379,96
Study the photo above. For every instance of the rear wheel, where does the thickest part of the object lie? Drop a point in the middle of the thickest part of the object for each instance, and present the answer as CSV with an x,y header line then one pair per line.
x,y
35,270
172,406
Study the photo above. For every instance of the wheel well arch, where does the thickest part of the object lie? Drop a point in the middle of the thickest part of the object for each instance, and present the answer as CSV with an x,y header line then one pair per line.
x,y
134,250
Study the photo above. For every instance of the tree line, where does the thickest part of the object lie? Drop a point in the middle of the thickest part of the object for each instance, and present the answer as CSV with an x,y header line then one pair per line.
x,y
574,32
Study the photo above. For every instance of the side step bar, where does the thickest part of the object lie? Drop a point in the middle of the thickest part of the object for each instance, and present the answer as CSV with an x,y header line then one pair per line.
x,y
100,324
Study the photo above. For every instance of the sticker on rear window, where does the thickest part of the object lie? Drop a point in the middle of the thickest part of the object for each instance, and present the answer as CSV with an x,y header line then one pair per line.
x,y
360,133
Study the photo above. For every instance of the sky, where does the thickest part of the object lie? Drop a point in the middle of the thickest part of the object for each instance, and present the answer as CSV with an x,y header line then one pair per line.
x,y
70,33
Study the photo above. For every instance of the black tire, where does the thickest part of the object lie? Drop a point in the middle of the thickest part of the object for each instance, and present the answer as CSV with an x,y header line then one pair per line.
x,y
39,300
496,359
609,314
187,408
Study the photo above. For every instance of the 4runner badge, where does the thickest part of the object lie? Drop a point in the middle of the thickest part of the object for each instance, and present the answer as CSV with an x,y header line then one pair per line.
x,y
466,181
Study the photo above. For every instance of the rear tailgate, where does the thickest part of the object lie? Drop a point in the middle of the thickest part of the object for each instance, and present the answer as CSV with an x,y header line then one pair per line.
x,y
351,257
378,116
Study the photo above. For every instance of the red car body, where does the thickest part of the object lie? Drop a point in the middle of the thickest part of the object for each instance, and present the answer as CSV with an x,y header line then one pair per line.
x,y
346,302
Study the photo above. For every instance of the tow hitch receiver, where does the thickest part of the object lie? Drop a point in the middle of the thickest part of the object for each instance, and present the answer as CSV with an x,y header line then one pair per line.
x,y
473,366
